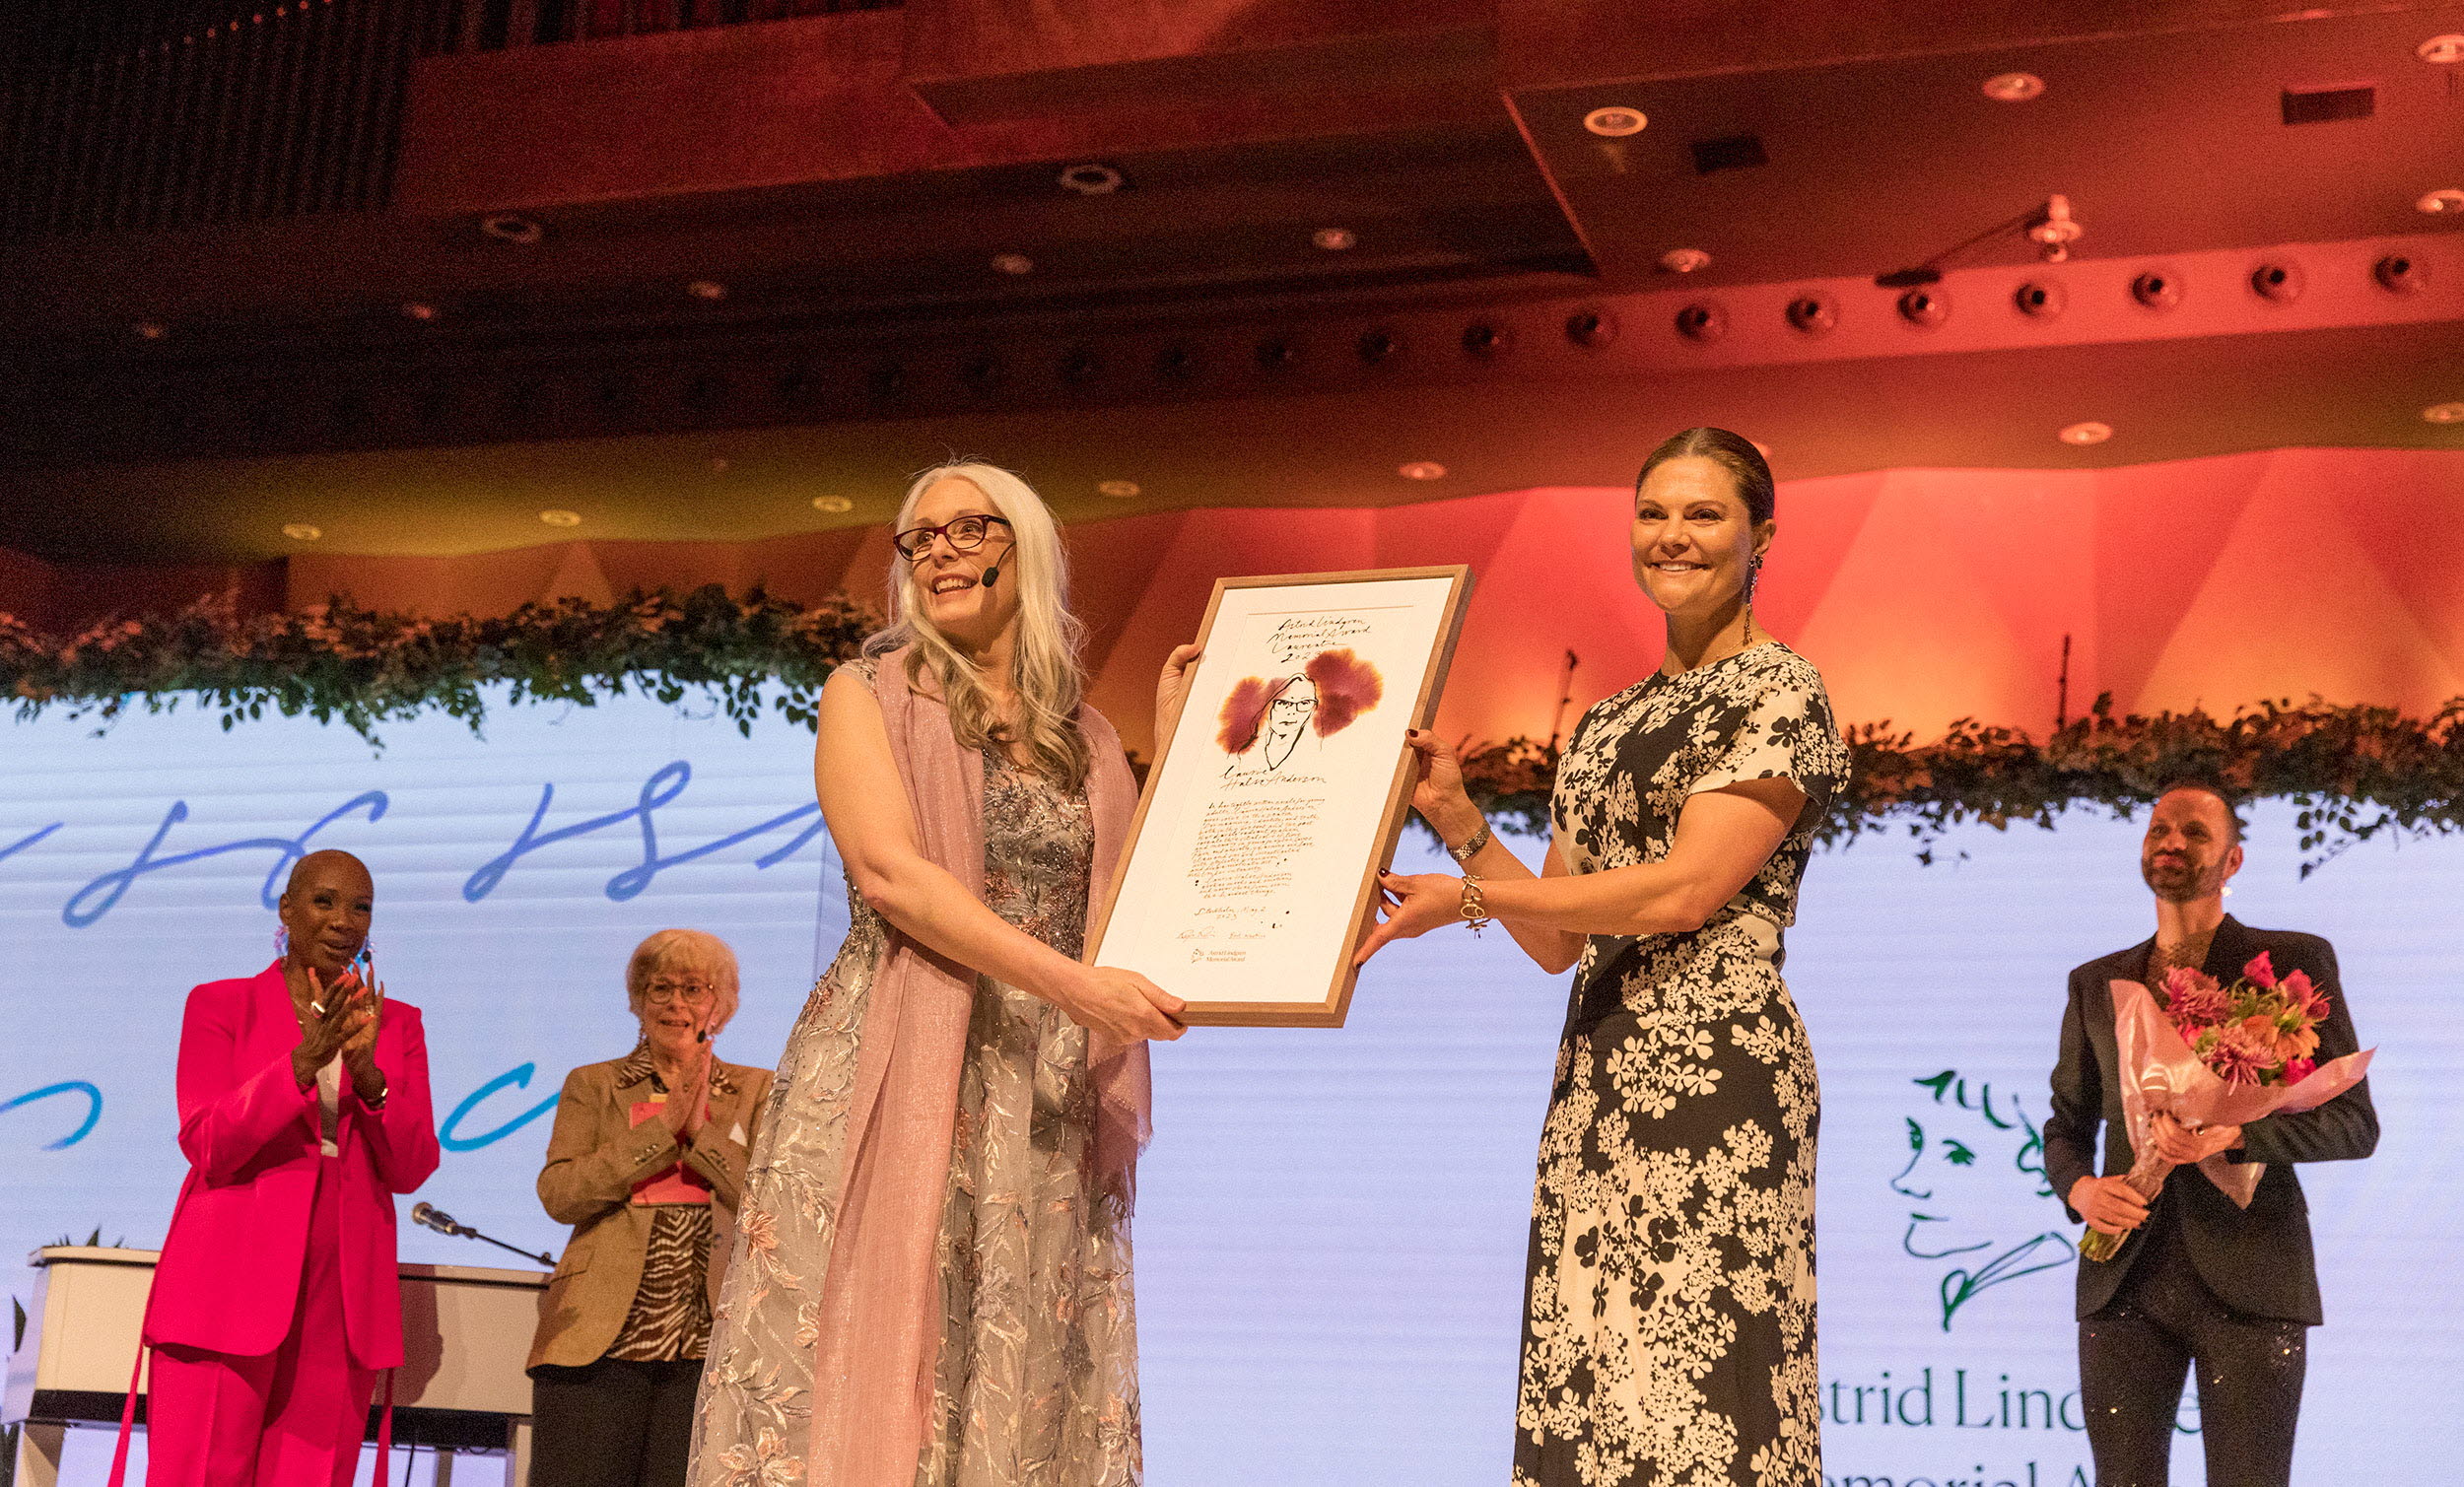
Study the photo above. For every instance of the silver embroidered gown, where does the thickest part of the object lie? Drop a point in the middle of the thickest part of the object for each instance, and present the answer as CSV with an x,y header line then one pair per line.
x,y
1037,1382
1669,1333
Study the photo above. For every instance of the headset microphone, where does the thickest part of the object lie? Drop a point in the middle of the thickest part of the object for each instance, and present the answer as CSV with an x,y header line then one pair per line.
x,y
991,576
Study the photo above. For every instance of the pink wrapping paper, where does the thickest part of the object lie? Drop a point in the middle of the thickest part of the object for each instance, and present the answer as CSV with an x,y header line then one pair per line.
x,y
2160,1072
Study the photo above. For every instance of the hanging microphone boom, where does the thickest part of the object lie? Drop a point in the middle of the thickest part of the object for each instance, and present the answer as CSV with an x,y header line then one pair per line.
x,y
430,1216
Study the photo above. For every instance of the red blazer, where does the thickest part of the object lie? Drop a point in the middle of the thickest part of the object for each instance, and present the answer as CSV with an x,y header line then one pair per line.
x,y
229,1273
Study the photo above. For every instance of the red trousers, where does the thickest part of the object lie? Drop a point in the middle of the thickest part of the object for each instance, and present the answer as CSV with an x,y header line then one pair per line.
x,y
294,1417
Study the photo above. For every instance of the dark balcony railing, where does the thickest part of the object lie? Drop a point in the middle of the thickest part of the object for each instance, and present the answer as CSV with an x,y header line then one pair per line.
x,y
154,116
492,25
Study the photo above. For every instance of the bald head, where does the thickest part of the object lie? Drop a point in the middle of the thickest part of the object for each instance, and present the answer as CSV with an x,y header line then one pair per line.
x,y
326,909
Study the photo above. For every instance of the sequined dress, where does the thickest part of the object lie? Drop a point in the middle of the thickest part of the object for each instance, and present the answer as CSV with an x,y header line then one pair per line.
x,y
1037,1382
1669,1333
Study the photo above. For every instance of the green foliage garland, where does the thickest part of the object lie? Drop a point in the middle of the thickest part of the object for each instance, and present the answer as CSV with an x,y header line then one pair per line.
x,y
337,663
2352,772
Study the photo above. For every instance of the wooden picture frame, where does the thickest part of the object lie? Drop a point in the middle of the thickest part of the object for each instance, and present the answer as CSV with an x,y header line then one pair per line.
x,y
1250,871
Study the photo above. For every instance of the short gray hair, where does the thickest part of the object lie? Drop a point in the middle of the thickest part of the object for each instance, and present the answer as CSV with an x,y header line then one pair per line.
x,y
695,950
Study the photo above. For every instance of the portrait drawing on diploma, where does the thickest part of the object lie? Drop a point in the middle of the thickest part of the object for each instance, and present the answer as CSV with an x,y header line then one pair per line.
x,y
1252,862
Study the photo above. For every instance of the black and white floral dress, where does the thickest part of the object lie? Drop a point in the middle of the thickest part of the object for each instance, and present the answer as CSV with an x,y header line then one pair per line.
x,y
1668,1332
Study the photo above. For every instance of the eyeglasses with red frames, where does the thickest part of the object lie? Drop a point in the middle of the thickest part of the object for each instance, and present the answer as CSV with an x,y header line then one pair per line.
x,y
965,534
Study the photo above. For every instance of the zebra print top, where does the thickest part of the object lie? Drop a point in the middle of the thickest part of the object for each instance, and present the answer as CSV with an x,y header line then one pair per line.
x,y
670,1315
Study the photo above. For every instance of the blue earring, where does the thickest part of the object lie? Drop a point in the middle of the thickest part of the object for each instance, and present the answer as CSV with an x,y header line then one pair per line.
x,y
282,942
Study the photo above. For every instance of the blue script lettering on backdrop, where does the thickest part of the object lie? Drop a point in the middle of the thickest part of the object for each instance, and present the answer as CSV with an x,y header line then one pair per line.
x,y
1332,1226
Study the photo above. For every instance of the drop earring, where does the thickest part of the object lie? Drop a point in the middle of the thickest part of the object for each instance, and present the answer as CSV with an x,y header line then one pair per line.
x,y
282,942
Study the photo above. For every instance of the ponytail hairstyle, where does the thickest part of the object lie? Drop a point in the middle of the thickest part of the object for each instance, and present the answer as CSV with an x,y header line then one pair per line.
x,y
1045,674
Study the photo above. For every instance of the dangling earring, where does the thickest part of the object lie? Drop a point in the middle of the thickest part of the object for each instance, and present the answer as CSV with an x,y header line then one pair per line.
x,y
282,942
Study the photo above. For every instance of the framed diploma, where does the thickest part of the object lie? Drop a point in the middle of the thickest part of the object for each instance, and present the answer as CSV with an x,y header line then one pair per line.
x,y
1250,871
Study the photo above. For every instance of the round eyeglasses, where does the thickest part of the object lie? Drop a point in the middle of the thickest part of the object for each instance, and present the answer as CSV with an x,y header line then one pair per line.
x,y
683,993
965,534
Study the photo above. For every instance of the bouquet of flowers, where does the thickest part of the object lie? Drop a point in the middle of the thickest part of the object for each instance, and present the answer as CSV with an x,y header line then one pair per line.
x,y
2211,1054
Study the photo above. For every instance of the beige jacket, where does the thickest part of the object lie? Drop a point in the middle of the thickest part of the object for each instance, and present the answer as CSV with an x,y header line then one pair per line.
x,y
595,1159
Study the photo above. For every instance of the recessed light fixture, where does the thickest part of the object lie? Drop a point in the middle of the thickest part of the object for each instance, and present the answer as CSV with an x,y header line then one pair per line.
x,y
835,505
2090,432
1092,180
2445,199
559,516
1761,449
1334,240
510,227
418,311
1421,469
1616,122
2441,49
300,532
1013,263
2444,413
151,330
719,465
707,289
1117,489
1683,260
2014,86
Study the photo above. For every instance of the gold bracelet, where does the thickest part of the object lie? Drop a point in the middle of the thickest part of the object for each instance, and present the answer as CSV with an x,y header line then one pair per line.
x,y
1474,912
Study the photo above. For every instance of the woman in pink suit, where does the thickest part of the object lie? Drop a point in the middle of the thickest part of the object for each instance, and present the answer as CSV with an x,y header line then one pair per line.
x,y
303,1109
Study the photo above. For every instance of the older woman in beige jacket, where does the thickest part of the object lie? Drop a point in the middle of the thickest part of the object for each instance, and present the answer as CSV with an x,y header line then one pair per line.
x,y
648,1164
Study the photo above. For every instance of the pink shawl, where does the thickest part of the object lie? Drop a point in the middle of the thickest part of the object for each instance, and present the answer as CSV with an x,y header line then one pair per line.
x,y
880,1330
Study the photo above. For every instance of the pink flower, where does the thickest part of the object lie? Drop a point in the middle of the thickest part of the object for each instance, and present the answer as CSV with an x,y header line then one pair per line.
x,y
2300,1069
2305,998
2193,999
2261,971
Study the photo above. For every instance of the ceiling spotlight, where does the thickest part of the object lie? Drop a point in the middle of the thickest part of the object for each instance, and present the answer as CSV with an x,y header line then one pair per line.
x,y
151,330
2090,432
2014,86
719,466
416,310
1683,260
1013,263
2054,229
2444,413
835,505
707,289
559,516
1421,469
1334,240
510,227
1117,489
1092,180
2441,49
300,532
2446,199
1616,122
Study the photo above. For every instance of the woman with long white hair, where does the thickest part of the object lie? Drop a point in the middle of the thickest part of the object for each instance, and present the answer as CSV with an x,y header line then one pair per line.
x,y
930,1283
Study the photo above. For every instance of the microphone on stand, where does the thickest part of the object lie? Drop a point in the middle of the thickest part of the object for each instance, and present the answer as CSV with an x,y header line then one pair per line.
x,y
429,1216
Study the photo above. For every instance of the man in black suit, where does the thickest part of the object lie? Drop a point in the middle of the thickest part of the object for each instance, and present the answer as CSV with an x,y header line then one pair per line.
x,y
2233,1290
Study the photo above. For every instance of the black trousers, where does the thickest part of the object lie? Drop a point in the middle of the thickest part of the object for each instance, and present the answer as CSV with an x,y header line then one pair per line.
x,y
612,1423
2134,1354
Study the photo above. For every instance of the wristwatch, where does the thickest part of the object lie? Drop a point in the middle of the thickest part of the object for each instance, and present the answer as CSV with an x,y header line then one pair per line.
x,y
1471,848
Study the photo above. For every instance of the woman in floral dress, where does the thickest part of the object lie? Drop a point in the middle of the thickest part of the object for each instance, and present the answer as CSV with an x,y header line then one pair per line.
x,y
930,1284
1669,1332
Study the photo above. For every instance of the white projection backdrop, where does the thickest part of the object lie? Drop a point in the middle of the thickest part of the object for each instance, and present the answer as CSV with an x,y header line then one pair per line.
x,y
1332,1230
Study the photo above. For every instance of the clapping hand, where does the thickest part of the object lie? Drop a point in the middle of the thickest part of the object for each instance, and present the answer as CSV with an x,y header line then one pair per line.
x,y
336,1020
685,1108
